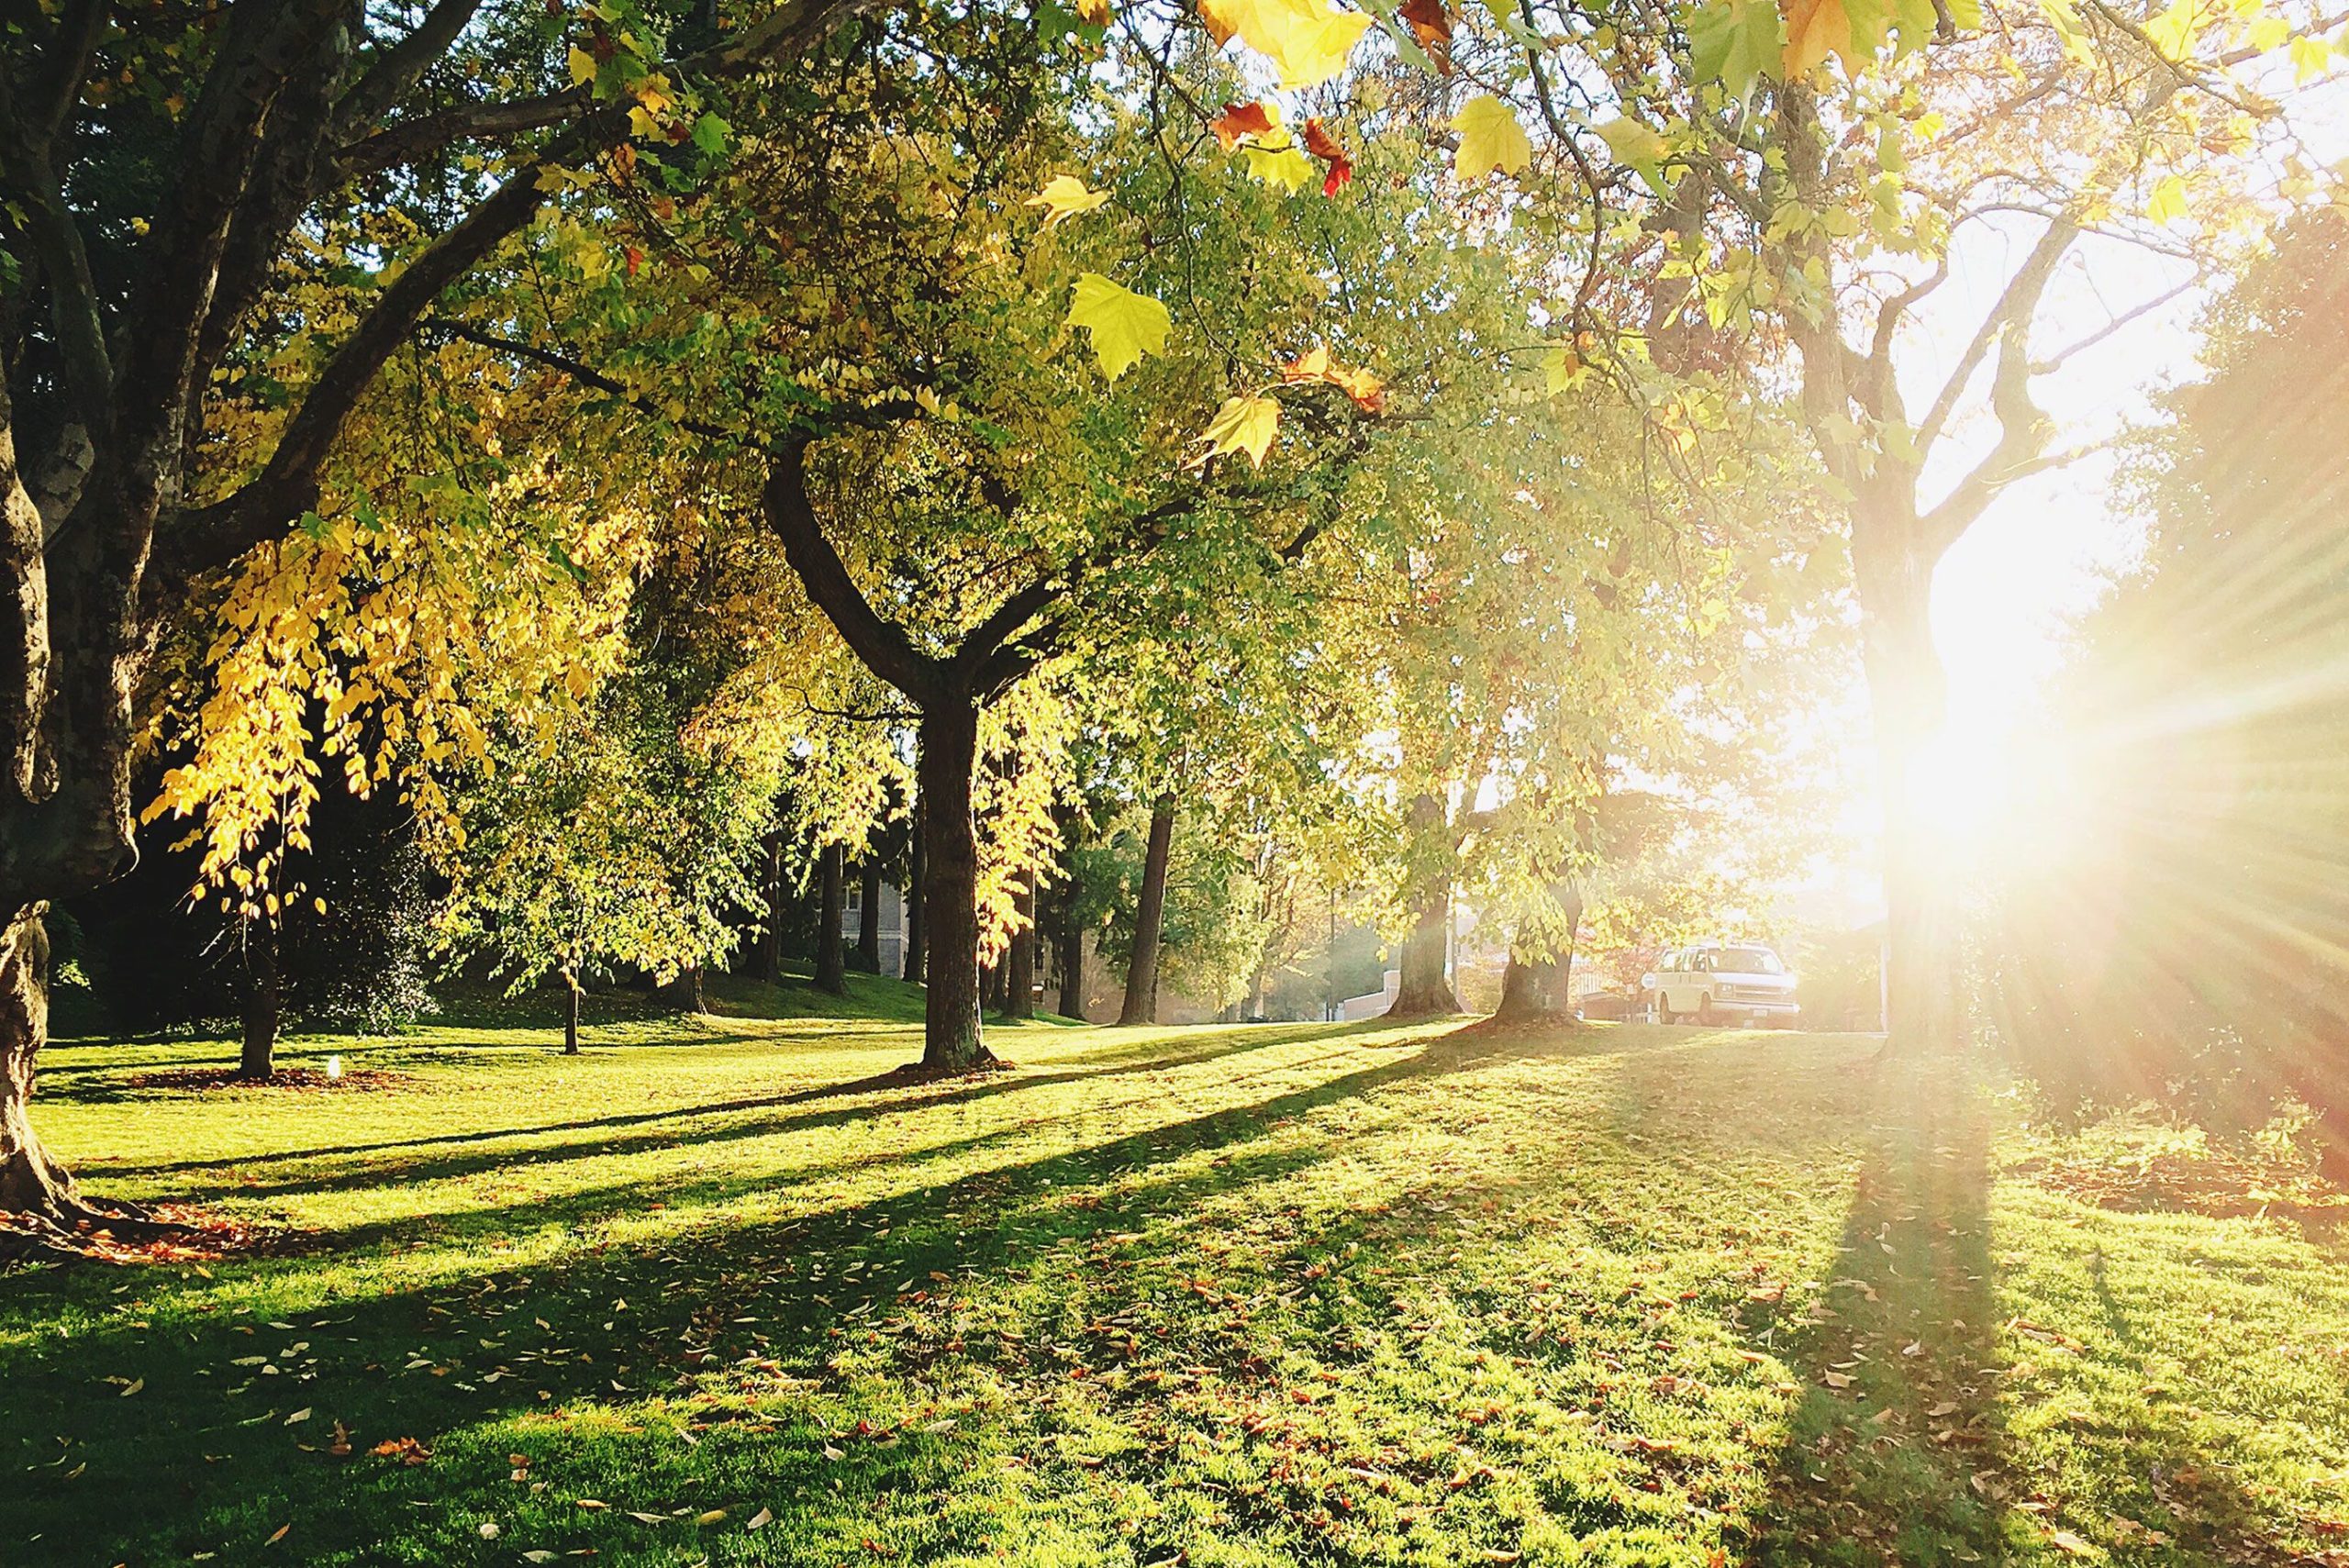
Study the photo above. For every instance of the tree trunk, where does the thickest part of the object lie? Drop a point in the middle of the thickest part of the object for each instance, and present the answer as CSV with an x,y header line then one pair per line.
x,y
30,1182
1019,960
770,938
1535,986
1425,991
868,917
686,990
1070,949
953,1039
1908,694
831,900
258,1059
569,1013
917,966
1150,914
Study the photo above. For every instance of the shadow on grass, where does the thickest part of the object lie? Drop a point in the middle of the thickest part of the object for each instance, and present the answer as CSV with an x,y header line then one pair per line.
x,y
1894,1449
209,1457
671,1125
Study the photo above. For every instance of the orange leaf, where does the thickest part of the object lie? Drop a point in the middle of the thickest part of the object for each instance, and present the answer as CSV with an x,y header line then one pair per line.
x,y
1431,25
1238,121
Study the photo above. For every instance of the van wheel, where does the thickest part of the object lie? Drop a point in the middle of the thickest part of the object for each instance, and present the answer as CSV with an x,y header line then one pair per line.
x,y
1705,1014
1663,1013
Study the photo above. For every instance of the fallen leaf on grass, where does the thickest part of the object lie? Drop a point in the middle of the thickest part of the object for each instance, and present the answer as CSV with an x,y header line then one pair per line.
x,y
1835,1380
489,1529
760,1519
298,1416
711,1518
2070,1542
282,1532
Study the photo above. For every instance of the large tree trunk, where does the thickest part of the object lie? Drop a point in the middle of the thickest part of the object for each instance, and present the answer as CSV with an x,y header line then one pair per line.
x,y
1534,986
917,966
686,991
832,909
868,917
1424,991
1140,1006
1908,694
953,1039
258,1059
1019,960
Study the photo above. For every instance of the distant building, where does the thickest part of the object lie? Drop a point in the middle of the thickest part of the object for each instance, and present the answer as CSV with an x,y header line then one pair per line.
x,y
893,926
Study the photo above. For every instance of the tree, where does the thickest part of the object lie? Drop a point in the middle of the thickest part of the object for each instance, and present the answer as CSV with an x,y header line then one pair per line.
x,y
145,221
2174,933
1782,196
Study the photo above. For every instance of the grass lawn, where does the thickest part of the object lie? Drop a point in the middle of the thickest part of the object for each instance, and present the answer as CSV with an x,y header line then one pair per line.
x,y
717,1292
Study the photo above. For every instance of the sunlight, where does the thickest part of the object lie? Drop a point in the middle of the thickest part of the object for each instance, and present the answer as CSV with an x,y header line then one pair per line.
x,y
1962,788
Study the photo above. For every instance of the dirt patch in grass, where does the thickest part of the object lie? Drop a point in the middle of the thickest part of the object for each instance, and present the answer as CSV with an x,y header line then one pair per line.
x,y
296,1080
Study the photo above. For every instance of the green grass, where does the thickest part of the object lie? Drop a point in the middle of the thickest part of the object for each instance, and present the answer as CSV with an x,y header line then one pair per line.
x,y
1218,1296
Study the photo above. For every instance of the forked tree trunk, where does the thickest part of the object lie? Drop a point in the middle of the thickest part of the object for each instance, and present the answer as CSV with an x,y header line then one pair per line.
x,y
258,1058
953,1039
1140,1006
832,909
1019,960
917,966
868,917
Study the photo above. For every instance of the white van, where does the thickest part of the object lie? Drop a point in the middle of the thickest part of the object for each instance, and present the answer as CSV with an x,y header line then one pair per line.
x,y
1720,983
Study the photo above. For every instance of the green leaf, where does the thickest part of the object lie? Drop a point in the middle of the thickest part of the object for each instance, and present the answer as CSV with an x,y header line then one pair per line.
x,y
1736,43
710,134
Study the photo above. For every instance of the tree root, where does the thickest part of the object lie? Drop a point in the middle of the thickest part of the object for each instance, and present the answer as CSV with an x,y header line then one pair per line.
x,y
72,1228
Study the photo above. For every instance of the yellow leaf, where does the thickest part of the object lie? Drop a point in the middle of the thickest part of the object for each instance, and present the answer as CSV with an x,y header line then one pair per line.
x,y
583,66
1631,142
1305,40
1815,29
1094,13
1283,166
1243,424
1065,196
1560,367
1490,139
1125,324
2167,204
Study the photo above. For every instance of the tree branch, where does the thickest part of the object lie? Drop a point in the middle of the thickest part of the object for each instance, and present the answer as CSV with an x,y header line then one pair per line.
x,y
882,644
2016,306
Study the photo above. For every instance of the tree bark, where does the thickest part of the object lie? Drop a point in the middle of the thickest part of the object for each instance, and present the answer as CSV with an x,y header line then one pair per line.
x,y
770,938
569,1013
1907,693
832,909
1424,990
258,1058
686,990
868,917
30,1182
1019,960
1140,1005
1069,947
916,967
1535,986
953,1040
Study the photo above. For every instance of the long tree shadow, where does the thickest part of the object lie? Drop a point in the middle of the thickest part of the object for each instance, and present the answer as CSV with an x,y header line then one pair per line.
x,y
463,1361
902,1095
1894,1448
